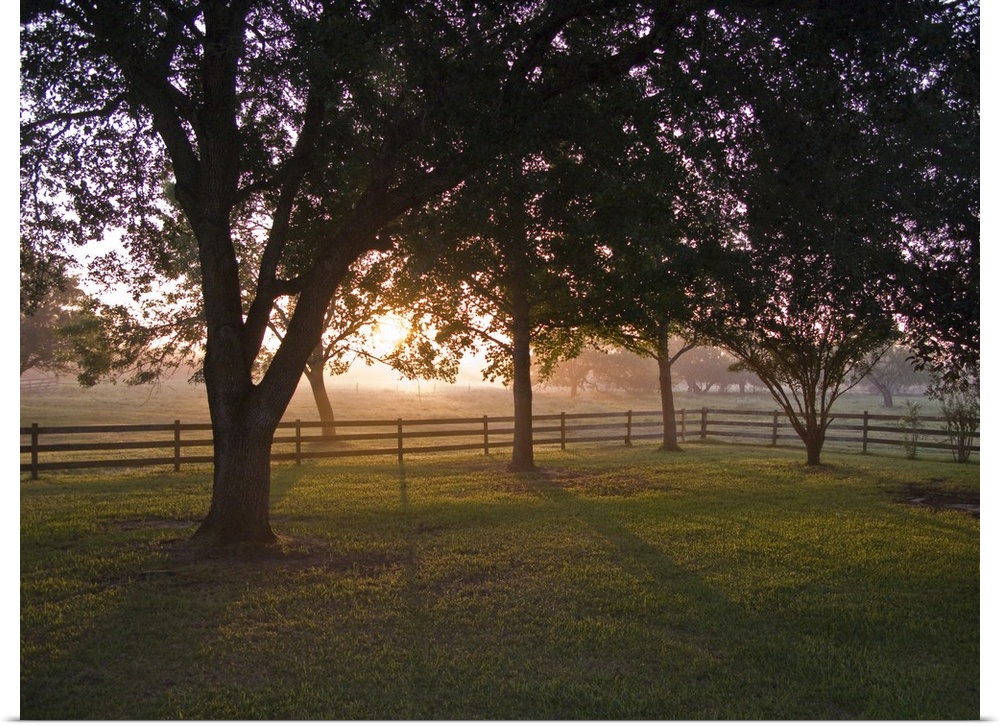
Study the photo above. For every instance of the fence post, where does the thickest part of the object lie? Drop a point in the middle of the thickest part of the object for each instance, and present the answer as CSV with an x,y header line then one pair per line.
x,y
864,434
683,424
486,434
774,429
177,445
704,423
298,441
562,430
628,430
399,439
34,451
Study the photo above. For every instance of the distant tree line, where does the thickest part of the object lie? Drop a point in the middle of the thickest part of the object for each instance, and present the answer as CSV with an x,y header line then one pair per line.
x,y
701,370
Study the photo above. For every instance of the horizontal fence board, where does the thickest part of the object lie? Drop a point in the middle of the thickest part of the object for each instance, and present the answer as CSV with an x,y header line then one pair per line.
x,y
582,440
751,425
103,429
108,463
345,438
427,448
922,445
743,435
594,427
341,453
97,446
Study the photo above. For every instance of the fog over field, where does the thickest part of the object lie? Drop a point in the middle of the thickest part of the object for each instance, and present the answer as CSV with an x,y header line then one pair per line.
x,y
376,392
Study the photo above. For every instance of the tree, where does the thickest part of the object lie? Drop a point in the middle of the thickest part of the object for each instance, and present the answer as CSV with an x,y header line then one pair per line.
x,y
500,285
302,130
939,126
809,340
807,304
708,366
578,373
619,369
51,334
894,373
652,229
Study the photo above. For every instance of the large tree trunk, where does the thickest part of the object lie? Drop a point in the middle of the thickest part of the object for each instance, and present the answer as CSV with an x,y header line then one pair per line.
x,y
241,487
246,414
667,405
523,457
317,382
242,432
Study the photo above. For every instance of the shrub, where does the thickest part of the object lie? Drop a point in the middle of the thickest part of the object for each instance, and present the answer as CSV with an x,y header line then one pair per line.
x,y
959,399
908,425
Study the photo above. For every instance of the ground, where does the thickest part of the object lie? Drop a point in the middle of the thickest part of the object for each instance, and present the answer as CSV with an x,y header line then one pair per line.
x,y
940,498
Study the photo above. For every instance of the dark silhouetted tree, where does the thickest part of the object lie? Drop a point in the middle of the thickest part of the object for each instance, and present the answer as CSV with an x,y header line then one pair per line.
x,y
299,130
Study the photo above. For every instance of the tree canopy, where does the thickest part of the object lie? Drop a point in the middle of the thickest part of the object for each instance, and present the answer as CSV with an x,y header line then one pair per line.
x,y
303,130
296,138
830,176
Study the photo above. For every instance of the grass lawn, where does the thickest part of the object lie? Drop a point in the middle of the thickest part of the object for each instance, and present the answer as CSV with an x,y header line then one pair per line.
x,y
721,582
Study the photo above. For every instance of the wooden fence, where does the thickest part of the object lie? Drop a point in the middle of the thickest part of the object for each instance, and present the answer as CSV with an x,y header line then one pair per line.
x,y
178,444
38,385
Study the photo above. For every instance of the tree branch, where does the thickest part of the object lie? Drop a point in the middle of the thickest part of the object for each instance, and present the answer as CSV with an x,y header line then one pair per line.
x,y
70,116
268,287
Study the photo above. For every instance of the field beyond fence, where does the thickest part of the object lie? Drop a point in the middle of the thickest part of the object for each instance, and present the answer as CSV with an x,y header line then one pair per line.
x,y
74,447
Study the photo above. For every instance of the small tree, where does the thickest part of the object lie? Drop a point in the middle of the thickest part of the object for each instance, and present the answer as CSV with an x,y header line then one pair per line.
x,y
908,425
576,374
807,358
959,399
708,366
622,370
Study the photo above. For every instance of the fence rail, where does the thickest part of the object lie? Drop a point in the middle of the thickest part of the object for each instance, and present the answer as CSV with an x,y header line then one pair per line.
x,y
35,385
301,440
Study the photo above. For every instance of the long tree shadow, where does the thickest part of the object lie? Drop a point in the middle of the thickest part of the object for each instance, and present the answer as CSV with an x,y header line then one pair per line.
x,y
731,638
416,626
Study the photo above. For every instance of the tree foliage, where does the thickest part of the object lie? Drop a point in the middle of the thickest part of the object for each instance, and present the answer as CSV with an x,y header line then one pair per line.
x,y
828,170
895,373
63,322
302,130
296,138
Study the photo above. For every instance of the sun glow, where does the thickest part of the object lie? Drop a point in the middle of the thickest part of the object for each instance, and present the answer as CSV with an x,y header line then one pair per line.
x,y
389,332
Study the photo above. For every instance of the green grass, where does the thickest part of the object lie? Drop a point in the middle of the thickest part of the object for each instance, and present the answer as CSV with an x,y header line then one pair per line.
x,y
722,582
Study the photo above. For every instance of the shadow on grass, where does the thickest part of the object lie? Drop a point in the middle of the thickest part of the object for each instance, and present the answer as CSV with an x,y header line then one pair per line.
x,y
379,633
789,660
699,615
